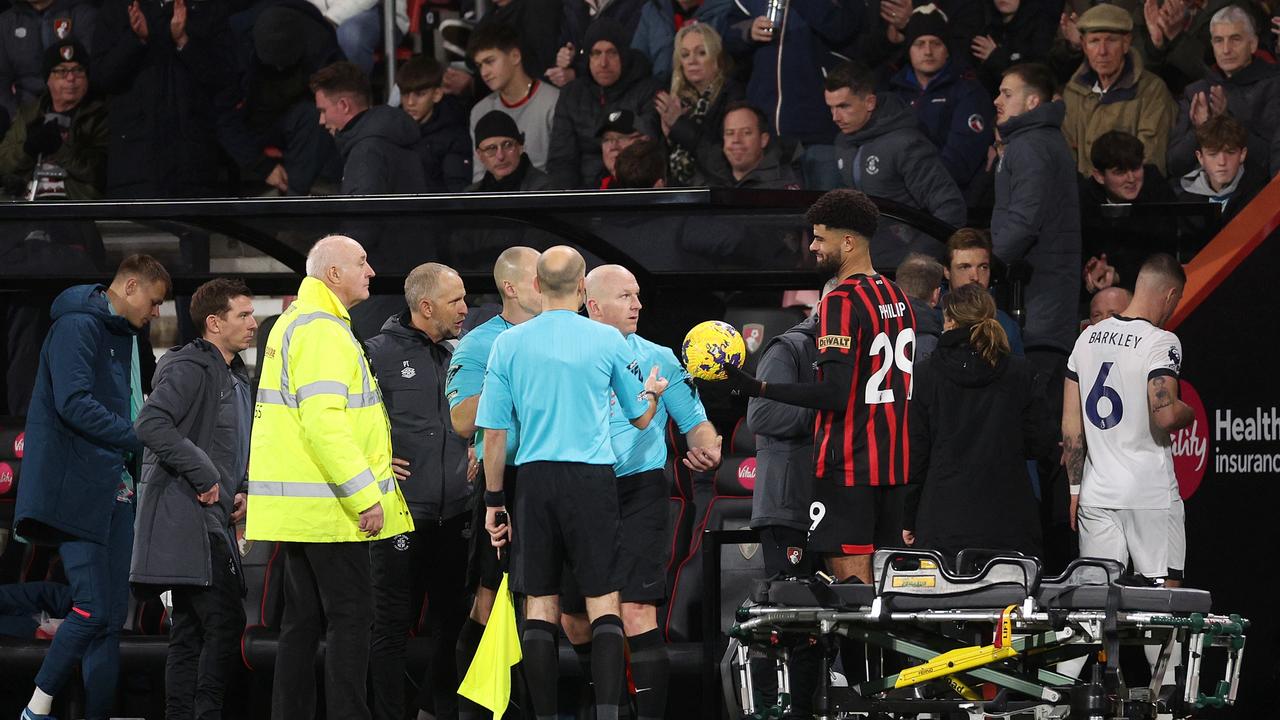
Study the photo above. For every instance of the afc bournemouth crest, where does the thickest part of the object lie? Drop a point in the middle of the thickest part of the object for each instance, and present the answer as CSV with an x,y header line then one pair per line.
x,y
794,555
975,123
753,336
62,30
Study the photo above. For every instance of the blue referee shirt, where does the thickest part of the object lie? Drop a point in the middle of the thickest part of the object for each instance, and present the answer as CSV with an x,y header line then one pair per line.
x,y
466,375
638,450
551,377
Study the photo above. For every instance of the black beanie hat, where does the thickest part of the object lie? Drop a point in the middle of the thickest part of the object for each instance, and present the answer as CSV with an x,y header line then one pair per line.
x,y
926,20
609,30
496,123
64,51
277,36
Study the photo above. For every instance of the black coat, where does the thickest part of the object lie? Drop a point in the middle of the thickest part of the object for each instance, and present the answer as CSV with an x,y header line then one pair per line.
x,y
444,147
411,371
193,401
1126,239
973,427
1027,37
160,102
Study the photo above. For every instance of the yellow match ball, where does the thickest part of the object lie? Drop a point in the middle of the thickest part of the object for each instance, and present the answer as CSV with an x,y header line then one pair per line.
x,y
708,346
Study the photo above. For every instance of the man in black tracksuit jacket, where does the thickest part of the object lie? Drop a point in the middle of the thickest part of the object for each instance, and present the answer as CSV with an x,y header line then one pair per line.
x,y
410,358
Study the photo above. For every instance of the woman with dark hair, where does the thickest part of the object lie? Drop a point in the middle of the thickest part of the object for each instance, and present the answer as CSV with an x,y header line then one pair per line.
x,y
976,418
1017,31
701,88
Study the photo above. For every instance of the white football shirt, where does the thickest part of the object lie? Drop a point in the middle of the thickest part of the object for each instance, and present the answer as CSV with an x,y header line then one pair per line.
x,y
1128,459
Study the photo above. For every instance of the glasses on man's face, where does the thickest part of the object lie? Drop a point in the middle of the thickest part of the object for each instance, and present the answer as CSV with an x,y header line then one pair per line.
x,y
505,146
68,72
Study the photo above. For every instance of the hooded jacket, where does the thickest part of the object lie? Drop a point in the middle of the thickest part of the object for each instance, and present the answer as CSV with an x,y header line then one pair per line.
x,y
377,153
83,154
1036,221
956,114
581,25
784,433
786,74
771,174
1195,187
411,371
973,427
890,158
78,434
444,147
1253,98
655,35
1138,103
574,158
24,35
191,426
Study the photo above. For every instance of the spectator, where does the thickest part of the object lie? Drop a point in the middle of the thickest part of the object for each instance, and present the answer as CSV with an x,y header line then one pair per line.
x,y
1174,37
701,88
619,79
1111,90
1237,85
881,152
977,416
27,29
920,278
1108,302
277,51
538,22
161,66
968,260
1017,31
194,489
497,53
1036,221
1116,243
1223,176
57,146
444,145
80,469
952,107
359,26
748,158
618,133
881,40
579,24
500,145
642,165
376,143
795,56
661,22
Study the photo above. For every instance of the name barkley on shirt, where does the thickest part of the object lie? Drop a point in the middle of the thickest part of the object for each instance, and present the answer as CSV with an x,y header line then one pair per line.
x,y
1119,339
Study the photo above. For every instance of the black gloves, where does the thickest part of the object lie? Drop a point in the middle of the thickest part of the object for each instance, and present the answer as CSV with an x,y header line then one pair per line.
x,y
741,383
43,138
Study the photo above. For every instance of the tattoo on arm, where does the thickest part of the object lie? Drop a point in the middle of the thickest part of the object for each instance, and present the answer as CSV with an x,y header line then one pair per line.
x,y
1073,457
1163,398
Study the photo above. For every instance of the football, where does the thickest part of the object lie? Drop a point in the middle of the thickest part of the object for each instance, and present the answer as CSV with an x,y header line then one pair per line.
x,y
708,346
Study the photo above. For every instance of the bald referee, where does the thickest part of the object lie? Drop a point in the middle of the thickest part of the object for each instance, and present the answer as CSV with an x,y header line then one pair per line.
x,y
613,298
551,377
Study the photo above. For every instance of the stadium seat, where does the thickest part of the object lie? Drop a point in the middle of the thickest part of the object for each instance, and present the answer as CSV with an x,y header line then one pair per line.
x,y
680,525
736,476
759,325
684,611
742,441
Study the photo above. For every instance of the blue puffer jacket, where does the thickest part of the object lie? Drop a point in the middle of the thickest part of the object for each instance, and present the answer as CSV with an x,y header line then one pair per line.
x,y
656,34
956,113
78,432
787,73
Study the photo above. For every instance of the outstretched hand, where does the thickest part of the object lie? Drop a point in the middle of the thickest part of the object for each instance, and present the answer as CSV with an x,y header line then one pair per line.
x,y
741,383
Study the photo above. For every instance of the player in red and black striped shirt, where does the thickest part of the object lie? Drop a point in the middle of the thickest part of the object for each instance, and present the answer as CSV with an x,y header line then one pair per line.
x,y
866,342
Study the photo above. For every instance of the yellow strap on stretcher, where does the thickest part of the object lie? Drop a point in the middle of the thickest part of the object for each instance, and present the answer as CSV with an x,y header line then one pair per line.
x,y
962,659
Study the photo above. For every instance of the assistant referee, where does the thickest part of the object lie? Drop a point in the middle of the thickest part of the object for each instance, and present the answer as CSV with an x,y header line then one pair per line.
x,y
551,377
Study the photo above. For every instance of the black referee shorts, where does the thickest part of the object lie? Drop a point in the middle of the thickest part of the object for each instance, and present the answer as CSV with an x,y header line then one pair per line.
x,y
484,568
642,503
567,519
854,520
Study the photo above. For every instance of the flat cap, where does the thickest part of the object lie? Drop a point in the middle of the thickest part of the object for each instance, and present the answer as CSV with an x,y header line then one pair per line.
x,y
1105,18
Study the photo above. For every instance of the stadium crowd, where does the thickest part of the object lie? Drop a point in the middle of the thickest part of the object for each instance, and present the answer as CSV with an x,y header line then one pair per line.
x,y
1016,121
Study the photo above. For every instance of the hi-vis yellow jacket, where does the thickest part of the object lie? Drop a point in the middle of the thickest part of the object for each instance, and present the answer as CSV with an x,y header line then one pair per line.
x,y
321,448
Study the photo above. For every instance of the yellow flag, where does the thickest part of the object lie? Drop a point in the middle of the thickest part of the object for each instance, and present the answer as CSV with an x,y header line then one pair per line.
x,y
488,680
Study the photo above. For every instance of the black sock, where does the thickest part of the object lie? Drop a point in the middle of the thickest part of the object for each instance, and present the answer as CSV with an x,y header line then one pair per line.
x,y
607,665
650,668
464,652
541,667
586,694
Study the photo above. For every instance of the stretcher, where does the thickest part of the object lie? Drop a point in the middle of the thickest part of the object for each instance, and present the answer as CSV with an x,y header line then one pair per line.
x,y
990,638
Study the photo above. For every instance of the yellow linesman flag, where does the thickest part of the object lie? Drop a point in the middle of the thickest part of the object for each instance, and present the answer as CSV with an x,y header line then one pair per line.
x,y
488,680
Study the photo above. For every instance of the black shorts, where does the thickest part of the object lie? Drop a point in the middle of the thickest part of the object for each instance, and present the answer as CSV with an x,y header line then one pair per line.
x,y
854,520
643,501
484,568
567,519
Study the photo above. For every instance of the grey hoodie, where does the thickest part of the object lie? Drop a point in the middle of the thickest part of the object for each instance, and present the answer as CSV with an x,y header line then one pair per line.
x,y
377,153
890,158
1036,221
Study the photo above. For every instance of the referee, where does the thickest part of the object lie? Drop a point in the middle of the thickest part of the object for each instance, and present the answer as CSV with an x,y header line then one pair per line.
x,y
551,378
613,298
